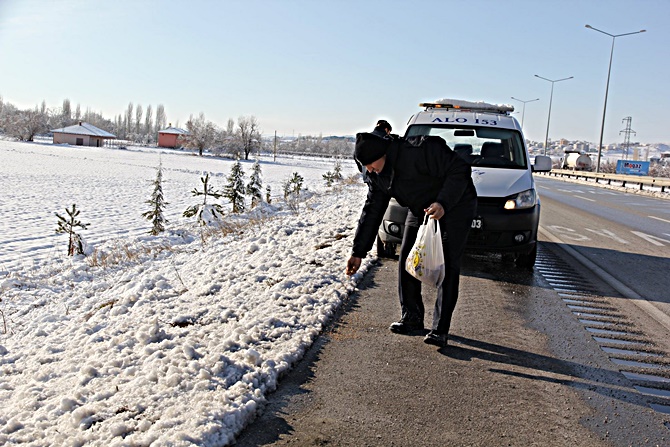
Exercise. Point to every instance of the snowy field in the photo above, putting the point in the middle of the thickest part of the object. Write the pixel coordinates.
(168, 340)
(110, 188)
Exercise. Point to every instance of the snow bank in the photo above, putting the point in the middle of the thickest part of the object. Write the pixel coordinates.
(179, 341)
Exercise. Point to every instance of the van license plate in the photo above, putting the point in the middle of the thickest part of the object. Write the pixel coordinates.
(477, 224)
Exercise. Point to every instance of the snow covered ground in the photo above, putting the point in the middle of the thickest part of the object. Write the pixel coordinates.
(167, 340)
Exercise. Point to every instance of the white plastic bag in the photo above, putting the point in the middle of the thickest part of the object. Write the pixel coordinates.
(426, 259)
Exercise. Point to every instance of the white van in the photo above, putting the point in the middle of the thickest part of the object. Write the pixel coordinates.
(492, 142)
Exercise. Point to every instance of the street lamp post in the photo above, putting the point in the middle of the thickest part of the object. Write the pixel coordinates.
(523, 113)
(609, 71)
(551, 97)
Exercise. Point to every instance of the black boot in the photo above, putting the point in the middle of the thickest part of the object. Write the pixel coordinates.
(407, 325)
(436, 338)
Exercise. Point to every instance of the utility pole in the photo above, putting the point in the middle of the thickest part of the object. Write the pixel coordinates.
(626, 132)
(274, 151)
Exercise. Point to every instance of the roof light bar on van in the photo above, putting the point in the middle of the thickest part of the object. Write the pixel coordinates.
(481, 106)
(432, 105)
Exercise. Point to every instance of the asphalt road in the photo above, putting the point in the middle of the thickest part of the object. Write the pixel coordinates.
(625, 235)
(520, 370)
(524, 365)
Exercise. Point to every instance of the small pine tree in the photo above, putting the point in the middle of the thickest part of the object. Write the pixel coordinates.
(234, 190)
(255, 185)
(330, 177)
(296, 183)
(197, 210)
(286, 186)
(337, 170)
(292, 188)
(268, 197)
(67, 226)
(158, 203)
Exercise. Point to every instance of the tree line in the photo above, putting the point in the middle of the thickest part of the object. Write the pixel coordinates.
(140, 125)
(136, 124)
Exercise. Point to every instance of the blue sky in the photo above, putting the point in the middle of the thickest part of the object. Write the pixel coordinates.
(335, 67)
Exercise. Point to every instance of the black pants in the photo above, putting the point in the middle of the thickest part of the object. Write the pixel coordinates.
(455, 226)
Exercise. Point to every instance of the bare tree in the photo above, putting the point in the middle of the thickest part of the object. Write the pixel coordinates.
(66, 114)
(202, 133)
(148, 123)
(87, 115)
(249, 134)
(25, 124)
(98, 120)
(55, 118)
(77, 113)
(7, 111)
(119, 127)
(138, 120)
(160, 117)
(129, 119)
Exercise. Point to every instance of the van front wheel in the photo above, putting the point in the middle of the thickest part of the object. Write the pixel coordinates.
(385, 250)
(527, 260)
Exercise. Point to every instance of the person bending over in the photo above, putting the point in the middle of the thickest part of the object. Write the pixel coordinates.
(423, 174)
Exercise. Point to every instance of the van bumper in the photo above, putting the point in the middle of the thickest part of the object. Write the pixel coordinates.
(504, 230)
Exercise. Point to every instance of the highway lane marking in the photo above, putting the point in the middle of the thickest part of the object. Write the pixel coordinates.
(658, 218)
(651, 239)
(569, 233)
(609, 234)
(575, 235)
(584, 198)
(641, 302)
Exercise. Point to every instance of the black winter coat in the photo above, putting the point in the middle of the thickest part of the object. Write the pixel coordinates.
(418, 171)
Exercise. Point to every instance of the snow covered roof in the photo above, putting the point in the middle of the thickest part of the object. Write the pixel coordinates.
(85, 129)
(174, 130)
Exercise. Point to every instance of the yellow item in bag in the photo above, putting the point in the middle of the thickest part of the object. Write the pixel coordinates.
(426, 259)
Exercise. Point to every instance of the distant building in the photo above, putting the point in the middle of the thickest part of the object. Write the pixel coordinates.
(82, 134)
(171, 137)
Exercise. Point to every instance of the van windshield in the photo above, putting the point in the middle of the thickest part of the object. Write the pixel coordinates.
(479, 146)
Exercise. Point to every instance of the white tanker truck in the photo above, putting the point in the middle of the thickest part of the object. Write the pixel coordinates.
(577, 161)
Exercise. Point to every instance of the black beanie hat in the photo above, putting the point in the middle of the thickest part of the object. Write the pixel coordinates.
(370, 147)
(384, 125)
(382, 128)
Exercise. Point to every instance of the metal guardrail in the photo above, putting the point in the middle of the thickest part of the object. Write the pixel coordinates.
(659, 182)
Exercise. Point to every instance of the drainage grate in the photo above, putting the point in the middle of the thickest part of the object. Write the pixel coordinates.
(631, 350)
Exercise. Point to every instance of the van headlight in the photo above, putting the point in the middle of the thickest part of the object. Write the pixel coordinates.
(525, 199)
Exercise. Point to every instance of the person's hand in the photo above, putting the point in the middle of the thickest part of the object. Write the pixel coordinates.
(435, 211)
(353, 264)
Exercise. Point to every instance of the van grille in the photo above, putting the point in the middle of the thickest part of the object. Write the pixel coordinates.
(491, 202)
(478, 238)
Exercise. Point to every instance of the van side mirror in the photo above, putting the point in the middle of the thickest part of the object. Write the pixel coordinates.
(542, 163)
